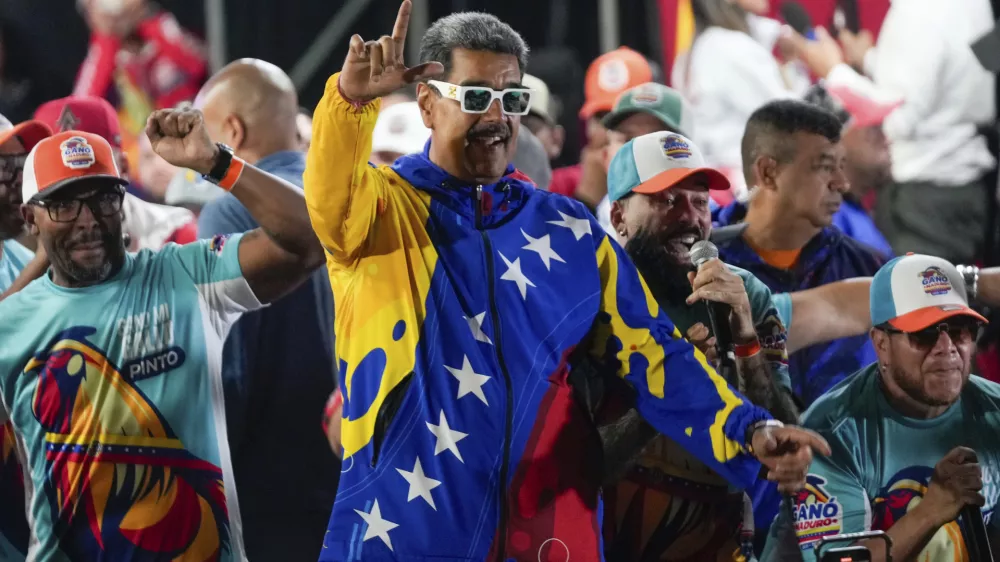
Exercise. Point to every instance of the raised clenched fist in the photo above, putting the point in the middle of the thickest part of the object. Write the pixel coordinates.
(376, 68)
(179, 137)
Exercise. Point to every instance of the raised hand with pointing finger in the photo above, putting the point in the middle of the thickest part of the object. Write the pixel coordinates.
(377, 68)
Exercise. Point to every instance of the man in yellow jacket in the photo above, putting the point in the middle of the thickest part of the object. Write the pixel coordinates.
(463, 298)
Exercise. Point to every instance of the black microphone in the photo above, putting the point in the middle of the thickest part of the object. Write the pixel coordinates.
(976, 540)
(797, 17)
(718, 316)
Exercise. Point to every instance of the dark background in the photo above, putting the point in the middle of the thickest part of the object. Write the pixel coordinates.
(47, 39)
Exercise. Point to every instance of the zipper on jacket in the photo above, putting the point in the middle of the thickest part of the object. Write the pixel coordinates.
(498, 350)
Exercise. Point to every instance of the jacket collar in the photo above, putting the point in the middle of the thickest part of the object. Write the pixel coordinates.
(497, 202)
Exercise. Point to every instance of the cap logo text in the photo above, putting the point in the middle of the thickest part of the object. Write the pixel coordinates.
(675, 147)
(77, 154)
(646, 95)
(934, 281)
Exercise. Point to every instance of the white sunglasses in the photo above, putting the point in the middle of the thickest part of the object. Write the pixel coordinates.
(478, 99)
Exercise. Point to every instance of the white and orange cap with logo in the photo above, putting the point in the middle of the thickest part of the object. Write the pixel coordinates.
(914, 292)
(65, 158)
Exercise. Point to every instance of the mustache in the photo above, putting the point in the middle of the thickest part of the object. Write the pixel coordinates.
(489, 130)
(88, 238)
(682, 230)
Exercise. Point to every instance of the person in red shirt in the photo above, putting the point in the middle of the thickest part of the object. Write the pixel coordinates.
(607, 77)
(139, 59)
(146, 45)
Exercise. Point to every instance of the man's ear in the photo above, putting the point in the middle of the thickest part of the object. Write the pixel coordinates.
(880, 340)
(618, 219)
(28, 214)
(426, 96)
(765, 172)
(236, 129)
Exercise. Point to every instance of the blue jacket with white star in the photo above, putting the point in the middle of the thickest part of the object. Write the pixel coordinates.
(460, 312)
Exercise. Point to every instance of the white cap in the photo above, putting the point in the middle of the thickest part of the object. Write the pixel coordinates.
(655, 162)
(541, 97)
(400, 129)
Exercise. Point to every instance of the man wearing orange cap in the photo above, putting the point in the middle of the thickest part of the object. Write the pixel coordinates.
(110, 366)
(607, 77)
(15, 142)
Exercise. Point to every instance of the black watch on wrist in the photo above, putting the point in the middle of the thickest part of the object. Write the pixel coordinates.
(223, 160)
(748, 437)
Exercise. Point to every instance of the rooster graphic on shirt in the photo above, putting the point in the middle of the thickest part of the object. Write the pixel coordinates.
(119, 482)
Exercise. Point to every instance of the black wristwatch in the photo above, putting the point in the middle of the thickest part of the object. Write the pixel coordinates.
(222, 162)
(748, 437)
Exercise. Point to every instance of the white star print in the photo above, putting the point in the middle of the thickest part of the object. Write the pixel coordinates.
(447, 438)
(578, 226)
(514, 274)
(420, 484)
(377, 527)
(543, 247)
(476, 325)
(469, 381)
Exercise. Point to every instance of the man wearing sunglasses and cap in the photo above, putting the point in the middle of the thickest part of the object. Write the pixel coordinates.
(464, 299)
(914, 435)
(15, 142)
(110, 367)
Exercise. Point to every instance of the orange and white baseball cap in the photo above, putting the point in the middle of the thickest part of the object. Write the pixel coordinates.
(65, 158)
(611, 74)
(29, 133)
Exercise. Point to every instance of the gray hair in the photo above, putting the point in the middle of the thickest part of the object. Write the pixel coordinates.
(475, 31)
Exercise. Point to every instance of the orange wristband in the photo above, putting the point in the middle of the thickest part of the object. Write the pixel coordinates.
(232, 174)
(747, 350)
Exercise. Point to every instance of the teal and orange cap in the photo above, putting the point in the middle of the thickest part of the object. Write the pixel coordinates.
(655, 162)
(914, 292)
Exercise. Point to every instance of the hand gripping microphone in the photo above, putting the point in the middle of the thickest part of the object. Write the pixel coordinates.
(718, 317)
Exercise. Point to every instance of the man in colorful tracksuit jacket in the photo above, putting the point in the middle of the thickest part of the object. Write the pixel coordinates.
(455, 325)
(459, 312)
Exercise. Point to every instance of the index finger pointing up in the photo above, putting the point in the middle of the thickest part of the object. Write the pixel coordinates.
(402, 22)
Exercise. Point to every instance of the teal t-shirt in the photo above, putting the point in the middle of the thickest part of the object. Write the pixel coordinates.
(783, 304)
(13, 258)
(13, 526)
(115, 395)
(882, 463)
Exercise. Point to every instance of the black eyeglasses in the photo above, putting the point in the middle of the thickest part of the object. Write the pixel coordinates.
(10, 167)
(102, 204)
(959, 332)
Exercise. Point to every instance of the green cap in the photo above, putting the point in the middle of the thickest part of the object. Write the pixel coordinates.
(662, 102)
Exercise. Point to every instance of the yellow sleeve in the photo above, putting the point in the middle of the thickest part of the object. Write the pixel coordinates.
(344, 193)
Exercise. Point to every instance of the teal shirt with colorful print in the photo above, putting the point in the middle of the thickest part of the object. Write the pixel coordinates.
(882, 462)
(115, 396)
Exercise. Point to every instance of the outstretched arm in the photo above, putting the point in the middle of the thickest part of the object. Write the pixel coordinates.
(829, 312)
(279, 255)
